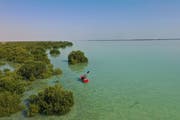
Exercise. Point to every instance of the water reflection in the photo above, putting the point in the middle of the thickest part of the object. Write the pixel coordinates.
(66, 61)
(78, 67)
(6, 67)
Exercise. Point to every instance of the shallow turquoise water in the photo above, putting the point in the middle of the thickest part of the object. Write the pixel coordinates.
(6, 66)
(128, 81)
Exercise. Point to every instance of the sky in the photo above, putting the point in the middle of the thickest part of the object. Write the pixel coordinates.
(89, 19)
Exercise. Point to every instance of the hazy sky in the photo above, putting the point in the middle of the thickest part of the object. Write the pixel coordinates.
(88, 19)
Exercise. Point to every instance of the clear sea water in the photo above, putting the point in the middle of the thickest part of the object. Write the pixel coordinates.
(129, 80)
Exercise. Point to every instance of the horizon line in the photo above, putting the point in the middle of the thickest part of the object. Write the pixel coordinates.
(141, 39)
(136, 39)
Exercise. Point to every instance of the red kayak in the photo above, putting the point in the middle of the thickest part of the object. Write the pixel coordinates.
(84, 80)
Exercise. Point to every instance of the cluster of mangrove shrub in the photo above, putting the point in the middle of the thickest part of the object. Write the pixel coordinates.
(52, 101)
(9, 103)
(19, 52)
(77, 57)
(31, 57)
(11, 89)
(32, 70)
(13, 84)
(31, 62)
(54, 52)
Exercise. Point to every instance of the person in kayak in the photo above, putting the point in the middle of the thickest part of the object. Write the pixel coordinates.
(85, 75)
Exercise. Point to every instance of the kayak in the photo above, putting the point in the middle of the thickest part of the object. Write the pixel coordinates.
(84, 80)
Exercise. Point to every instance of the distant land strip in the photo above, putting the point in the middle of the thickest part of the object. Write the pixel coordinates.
(137, 39)
(4, 41)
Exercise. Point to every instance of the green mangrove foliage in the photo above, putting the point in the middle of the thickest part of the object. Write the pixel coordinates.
(1, 73)
(20, 52)
(12, 85)
(33, 70)
(57, 71)
(11, 89)
(9, 103)
(54, 52)
(77, 57)
(52, 101)
(31, 57)
(2, 63)
(12, 82)
(33, 109)
(6, 70)
(31, 62)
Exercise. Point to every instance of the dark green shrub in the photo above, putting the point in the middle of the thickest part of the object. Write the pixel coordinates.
(1, 73)
(12, 85)
(54, 52)
(33, 109)
(6, 70)
(77, 57)
(52, 101)
(2, 63)
(33, 70)
(9, 103)
(57, 71)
